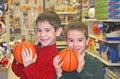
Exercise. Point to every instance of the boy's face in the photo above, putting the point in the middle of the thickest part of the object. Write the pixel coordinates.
(46, 33)
(76, 40)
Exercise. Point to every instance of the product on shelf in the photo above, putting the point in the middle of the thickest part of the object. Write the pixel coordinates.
(110, 9)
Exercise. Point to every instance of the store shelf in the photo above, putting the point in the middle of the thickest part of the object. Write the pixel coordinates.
(102, 38)
(113, 73)
(104, 20)
(61, 44)
(102, 59)
(5, 69)
(3, 34)
(67, 13)
(65, 23)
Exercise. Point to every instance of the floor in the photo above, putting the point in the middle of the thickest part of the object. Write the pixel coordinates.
(11, 75)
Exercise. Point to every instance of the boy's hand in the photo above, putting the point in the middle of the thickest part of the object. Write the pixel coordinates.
(57, 66)
(81, 62)
(27, 57)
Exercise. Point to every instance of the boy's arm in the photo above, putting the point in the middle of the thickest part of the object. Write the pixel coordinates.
(18, 69)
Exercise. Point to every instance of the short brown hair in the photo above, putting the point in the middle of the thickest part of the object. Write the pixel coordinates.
(51, 17)
(77, 25)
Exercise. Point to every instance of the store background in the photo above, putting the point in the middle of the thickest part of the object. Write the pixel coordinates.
(17, 22)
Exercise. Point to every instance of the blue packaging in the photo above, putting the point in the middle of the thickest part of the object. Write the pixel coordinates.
(114, 0)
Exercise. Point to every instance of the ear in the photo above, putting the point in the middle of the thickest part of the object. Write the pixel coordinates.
(87, 42)
(1, 13)
(59, 31)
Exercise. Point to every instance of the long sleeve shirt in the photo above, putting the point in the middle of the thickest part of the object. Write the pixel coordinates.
(93, 69)
(41, 69)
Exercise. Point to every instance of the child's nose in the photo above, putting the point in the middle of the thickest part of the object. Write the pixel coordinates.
(75, 43)
(42, 34)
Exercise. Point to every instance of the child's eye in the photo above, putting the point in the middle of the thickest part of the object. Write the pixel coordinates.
(71, 40)
(47, 30)
(38, 30)
(80, 40)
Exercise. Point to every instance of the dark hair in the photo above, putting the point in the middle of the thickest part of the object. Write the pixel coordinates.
(77, 25)
(51, 17)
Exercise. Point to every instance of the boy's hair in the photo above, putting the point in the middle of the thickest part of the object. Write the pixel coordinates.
(77, 25)
(51, 17)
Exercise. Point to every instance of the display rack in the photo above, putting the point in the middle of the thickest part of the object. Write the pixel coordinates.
(5, 37)
(102, 38)
(26, 13)
(68, 16)
(108, 63)
(61, 44)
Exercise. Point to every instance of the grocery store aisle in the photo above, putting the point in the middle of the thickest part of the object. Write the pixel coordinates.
(11, 75)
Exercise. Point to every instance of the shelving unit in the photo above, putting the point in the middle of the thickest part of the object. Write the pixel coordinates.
(109, 20)
(26, 12)
(22, 16)
(4, 34)
(102, 38)
(5, 37)
(108, 63)
(61, 44)
(85, 8)
(68, 16)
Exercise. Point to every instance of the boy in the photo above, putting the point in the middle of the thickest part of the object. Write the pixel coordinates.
(89, 67)
(41, 66)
